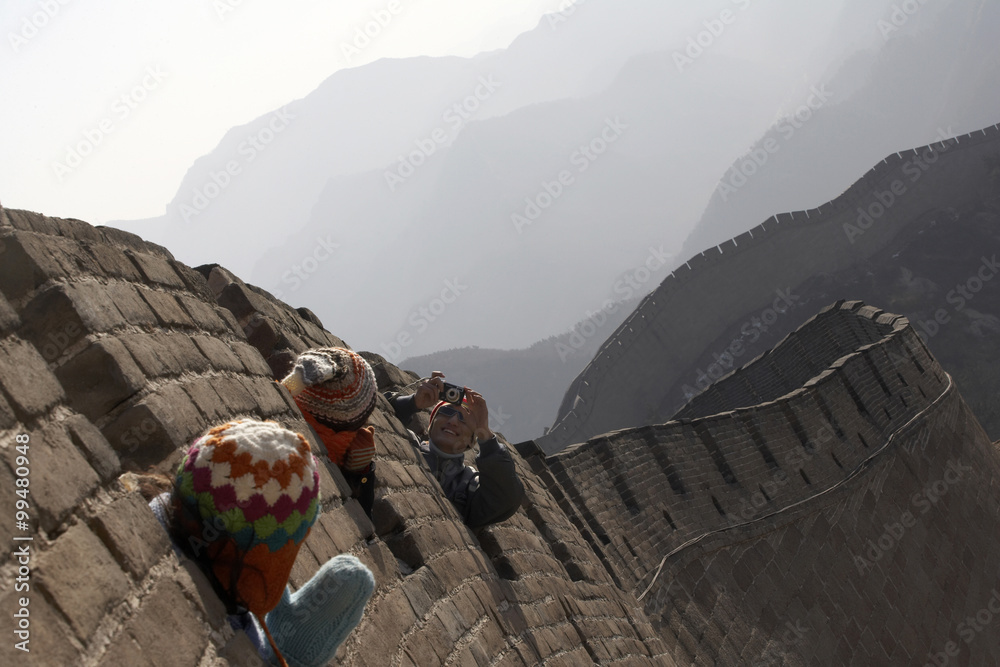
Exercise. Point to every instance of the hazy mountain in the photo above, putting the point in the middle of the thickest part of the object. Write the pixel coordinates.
(523, 387)
(874, 112)
(458, 191)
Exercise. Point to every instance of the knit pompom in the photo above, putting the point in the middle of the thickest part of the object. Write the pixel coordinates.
(247, 493)
(334, 385)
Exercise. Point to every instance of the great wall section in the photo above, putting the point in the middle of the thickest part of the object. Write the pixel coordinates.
(787, 518)
(684, 322)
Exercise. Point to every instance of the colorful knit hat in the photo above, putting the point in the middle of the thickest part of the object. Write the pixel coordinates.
(334, 385)
(246, 495)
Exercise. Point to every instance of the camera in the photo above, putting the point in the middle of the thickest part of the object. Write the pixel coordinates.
(452, 393)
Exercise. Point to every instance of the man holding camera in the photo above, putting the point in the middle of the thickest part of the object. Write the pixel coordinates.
(460, 419)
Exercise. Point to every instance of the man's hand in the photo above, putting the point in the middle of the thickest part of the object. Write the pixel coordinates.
(428, 392)
(480, 414)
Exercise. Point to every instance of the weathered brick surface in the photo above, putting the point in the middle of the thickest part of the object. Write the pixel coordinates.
(602, 526)
(132, 534)
(100, 378)
(60, 476)
(82, 578)
(51, 641)
(27, 384)
(165, 607)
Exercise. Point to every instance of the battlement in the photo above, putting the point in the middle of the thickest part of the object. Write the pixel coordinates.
(784, 251)
(843, 402)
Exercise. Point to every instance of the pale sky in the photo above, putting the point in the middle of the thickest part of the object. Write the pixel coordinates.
(145, 88)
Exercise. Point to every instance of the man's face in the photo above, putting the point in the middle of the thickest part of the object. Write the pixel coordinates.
(451, 430)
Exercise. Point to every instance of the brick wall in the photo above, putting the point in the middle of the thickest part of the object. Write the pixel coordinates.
(677, 327)
(745, 515)
(760, 527)
(113, 357)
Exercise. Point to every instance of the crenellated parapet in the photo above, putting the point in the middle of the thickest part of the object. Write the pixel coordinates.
(787, 445)
(696, 303)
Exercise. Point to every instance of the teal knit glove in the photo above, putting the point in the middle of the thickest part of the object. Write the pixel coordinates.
(310, 624)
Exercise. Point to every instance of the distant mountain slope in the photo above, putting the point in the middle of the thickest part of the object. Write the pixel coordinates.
(523, 387)
(804, 161)
(436, 160)
(919, 234)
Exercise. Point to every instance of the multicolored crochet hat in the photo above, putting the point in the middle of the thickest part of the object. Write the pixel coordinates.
(246, 495)
(334, 385)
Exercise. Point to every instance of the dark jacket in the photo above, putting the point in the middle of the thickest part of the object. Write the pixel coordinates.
(489, 493)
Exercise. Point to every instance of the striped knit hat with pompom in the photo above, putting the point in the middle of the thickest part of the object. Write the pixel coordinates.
(246, 495)
(334, 385)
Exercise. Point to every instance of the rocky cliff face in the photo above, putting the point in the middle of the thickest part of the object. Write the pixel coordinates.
(917, 234)
(782, 520)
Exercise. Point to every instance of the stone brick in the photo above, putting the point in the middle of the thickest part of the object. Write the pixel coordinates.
(167, 309)
(235, 298)
(151, 354)
(82, 578)
(133, 308)
(156, 269)
(234, 393)
(113, 262)
(29, 221)
(84, 305)
(203, 314)
(100, 378)
(153, 429)
(251, 359)
(204, 396)
(218, 354)
(341, 528)
(51, 642)
(31, 260)
(7, 419)
(60, 476)
(8, 318)
(27, 384)
(132, 534)
(262, 333)
(266, 394)
(130, 241)
(193, 280)
(187, 355)
(166, 615)
(92, 443)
